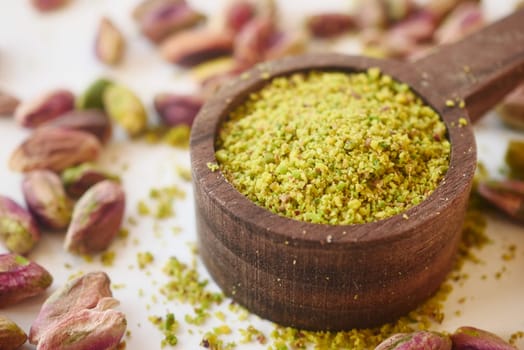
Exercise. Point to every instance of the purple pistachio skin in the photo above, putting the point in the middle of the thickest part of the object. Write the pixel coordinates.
(329, 25)
(93, 121)
(88, 329)
(84, 292)
(238, 14)
(18, 230)
(77, 180)
(48, 5)
(21, 279)
(46, 198)
(97, 218)
(506, 195)
(471, 338)
(176, 109)
(45, 108)
(167, 18)
(416, 341)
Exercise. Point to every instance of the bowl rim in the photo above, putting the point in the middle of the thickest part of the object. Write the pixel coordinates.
(457, 180)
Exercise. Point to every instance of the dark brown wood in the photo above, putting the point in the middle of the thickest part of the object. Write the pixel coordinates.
(362, 275)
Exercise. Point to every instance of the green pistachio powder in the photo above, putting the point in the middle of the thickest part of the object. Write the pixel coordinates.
(333, 147)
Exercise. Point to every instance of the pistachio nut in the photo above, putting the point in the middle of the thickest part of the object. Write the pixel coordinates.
(12, 337)
(253, 40)
(92, 121)
(514, 158)
(46, 198)
(506, 195)
(77, 180)
(110, 44)
(18, 229)
(238, 14)
(44, 108)
(329, 25)
(8, 103)
(175, 109)
(92, 98)
(146, 6)
(97, 218)
(164, 19)
(471, 338)
(463, 20)
(125, 108)
(416, 341)
(511, 110)
(21, 279)
(84, 292)
(54, 149)
(194, 46)
(48, 5)
(98, 328)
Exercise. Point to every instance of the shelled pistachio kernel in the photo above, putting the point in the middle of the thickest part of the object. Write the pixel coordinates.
(333, 147)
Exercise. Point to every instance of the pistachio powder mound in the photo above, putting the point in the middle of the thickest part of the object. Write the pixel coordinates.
(333, 147)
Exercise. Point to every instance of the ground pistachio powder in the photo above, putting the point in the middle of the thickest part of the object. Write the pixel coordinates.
(334, 147)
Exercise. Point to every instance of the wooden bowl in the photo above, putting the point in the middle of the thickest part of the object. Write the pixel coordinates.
(325, 277)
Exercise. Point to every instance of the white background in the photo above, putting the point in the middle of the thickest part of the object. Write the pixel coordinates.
(40, 52)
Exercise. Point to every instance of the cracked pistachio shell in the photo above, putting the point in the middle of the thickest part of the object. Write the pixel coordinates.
(47, 107)
(97, 218)
(46, 198)
(125, 108)
(18, 230)
(84, 292)
(12, 337)
(175, 109)
(77, 180)
(416, 341)
(98, 328)
(21, 279)
(471, 338)
(92, 98)
(110, 44)
(92, 121)
(55, 149)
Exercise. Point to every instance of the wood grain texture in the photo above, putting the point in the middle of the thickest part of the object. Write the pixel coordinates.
(326, 277)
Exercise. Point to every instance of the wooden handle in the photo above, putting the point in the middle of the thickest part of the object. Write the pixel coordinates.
(481, 69)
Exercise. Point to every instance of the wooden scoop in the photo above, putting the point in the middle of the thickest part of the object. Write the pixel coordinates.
(326, 277)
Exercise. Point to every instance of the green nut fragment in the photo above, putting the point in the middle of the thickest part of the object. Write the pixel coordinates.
(12, 336)
(515, 159)
(125, 108)
(93, 96)
(416, 341)
(77, 180)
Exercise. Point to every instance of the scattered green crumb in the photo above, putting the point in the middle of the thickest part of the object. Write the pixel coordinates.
(178, 136)
(462, 103)
(132, 221)
(68, 266)
(142, 208)
(108, 258)
(220, 315)
(212, 166)
(514, 158)
(251, 334)
(168, 325)
(184, 173)
(176, 230)
(118, 285)
(123, 233)
(450, 103)
(185, 285)
(212, 341)
(87, 258)
(198, 318)
(144, 259)
(334, 148)
(462, 122)
(510, 253)
(516, 337)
